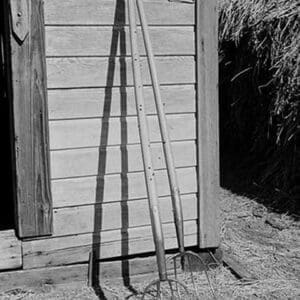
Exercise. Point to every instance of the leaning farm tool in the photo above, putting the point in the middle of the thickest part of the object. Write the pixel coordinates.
(184, 256)
(172, 284)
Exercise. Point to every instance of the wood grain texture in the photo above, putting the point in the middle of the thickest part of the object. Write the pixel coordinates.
(208, 123)
(91, 103)
(116, 215)
(78, 273)
(34, 205)
(103, 12)
(107, 72)
(116, 131)
(10, 251)
(38, 277)
(97, 41)
(115, 159)
(76, 249)
(82, 191)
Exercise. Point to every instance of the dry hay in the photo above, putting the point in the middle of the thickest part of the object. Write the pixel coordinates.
(272, 29)
(260, 54)
(270, 255)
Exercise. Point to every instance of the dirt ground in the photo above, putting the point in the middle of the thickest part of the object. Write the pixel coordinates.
(267, 244)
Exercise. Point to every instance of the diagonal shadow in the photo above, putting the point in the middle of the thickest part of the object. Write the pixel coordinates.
(124, 157)
(118, 35)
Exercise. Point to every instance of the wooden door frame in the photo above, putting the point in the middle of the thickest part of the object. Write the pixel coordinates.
(28, 94)
(207, 123)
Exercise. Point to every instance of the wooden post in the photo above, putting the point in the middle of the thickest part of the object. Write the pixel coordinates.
(29, 93)
(208, 123)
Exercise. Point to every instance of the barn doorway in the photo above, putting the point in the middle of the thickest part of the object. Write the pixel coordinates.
(6, 183)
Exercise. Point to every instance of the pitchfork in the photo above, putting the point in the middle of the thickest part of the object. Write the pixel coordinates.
(147, 161)
(184, 256)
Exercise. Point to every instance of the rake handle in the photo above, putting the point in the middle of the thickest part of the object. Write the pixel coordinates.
(145, 142)
(173, 181)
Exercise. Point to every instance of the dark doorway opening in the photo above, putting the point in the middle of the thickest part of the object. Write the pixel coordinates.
(6, 157)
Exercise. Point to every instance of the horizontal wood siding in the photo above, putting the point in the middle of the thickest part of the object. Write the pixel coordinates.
(81, 219)
(95, 40)
(91, 132)
(78, 72)
(102, 12)
(76, 248)
(97, 174)
(90, 103)
(85, 161)
(82, 190)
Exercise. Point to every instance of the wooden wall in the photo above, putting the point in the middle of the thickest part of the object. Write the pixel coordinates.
(98, 187)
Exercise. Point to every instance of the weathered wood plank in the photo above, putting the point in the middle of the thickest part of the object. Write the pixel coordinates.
(237, 267)
(116, 215)
(116, 131)
(10, 250)
(82, 191)
(38, 277)
(90, 103)
(115, 159)
(97, 41)
(208, 123)
(76, 249)
(29, 92)
(78, 273)
(104, 12)
(107, 72)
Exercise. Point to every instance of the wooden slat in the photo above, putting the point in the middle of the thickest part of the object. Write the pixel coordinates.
(10, 250)
(105, 72)
(115, 159)
(29, 89)
(39, 277)
(104, 11)
(75, 249)
(208, 123)
(107, 41)
(116, 215)
(237, 267)
(116, 131)
(81, 191)
(78, 273)
(89, 103)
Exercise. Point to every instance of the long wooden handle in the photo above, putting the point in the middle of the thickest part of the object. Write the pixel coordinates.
(146, 150)
(173, 181)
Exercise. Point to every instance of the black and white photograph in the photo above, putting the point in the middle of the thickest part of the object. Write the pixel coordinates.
(150, 149)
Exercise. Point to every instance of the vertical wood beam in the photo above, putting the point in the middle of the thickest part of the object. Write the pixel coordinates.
(29, 96)
(208, 122)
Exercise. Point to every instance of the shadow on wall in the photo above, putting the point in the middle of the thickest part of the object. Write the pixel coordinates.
(117, 41)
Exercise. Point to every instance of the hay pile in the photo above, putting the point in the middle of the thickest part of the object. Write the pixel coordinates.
(259, 80)
(271, 255)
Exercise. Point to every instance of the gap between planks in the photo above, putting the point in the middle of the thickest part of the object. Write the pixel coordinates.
(81, 103)
(76, 249)
(116, 215)
(123, 160)
(88, 12)
(95, 132)
(35, 278)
